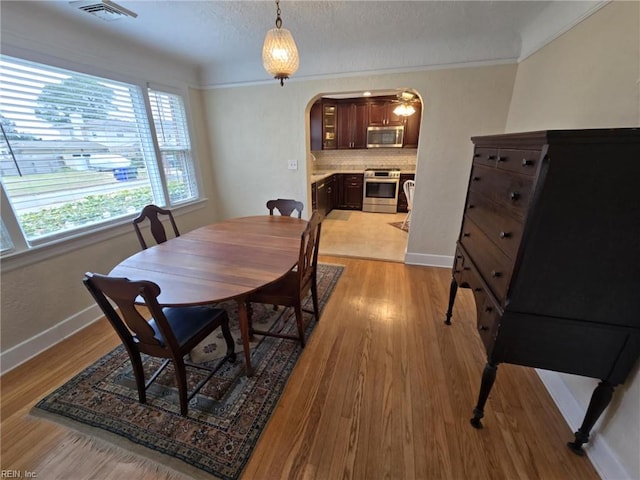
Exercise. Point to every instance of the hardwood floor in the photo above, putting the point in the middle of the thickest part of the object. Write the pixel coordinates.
(383, 390)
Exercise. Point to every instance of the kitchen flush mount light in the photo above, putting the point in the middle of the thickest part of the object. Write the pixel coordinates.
(279, 53)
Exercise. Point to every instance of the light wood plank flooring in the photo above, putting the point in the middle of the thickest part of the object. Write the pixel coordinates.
(383, 390)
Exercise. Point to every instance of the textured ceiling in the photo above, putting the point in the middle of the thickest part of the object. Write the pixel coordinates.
(338, 37)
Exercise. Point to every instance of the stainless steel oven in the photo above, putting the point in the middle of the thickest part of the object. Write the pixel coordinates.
(380, 190)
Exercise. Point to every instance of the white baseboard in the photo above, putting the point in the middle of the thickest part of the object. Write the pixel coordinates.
(28, 349)
(426, 260)
(598, 450)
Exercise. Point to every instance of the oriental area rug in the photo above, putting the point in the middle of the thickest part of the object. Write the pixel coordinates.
(226, 417)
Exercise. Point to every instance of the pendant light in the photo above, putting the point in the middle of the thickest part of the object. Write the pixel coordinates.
(279, 53)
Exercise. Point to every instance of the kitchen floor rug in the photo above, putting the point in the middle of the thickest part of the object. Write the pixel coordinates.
(399, 225)
(225, 419)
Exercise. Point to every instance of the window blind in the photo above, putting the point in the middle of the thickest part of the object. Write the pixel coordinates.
(77, 151)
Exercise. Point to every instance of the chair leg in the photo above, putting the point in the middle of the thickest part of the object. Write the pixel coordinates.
(406, 219)
(314, 298)
(181, 379)
(300, 321)
(138, 373)
(226, 333)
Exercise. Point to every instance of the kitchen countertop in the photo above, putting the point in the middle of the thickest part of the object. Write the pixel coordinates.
(317, 176)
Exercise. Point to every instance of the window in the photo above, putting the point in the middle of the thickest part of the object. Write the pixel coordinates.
(78, 151)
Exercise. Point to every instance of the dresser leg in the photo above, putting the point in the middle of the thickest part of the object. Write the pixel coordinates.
(488, 377)
(453, 289)
(599, 400)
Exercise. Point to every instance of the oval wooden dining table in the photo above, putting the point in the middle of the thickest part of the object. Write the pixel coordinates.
(221, 261)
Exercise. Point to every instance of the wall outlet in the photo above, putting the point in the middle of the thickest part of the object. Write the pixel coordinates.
(292, 164)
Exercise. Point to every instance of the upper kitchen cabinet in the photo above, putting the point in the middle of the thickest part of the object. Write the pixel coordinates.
(352, 125)
(329, 126)
(315, 126)
(381, 113)
(412, 128)
(342, 123)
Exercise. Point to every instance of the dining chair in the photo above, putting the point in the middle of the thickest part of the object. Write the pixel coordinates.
(291, 289)
(170, 333)
(153, 214)
(285, 206)
(408, 188)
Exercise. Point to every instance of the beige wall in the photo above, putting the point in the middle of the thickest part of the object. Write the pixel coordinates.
(590, 78)
(254, 131)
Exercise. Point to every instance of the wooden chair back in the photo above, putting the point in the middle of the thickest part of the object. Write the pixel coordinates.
(285, 206)
(132, 328)
(308, 258)
(153, 213)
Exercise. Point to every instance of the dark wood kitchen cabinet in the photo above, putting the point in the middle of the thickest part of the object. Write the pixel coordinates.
(329, 125)
(352, 125)
(324, 193)
(412, 127)
(349, 189)
(315, 126)
(381, 113)
(549, 246)
(403, 205)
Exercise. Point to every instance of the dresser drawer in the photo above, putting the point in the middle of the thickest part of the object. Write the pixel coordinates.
(487, 314)
(505, 188)
(485, 156)
(504, 230)
(520, 161)
(458, 266)
(492, 264)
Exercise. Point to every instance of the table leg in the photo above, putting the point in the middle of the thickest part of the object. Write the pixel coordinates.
(243, 319)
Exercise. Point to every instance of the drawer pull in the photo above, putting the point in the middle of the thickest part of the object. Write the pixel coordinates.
(491, 157)
(496, 274)
(477, 289)
(476, 155)
(470, 207)
(502, 159)
(482, 328)
(466, 234)
(505, 234)
(476, 179)
(526, 162)
(514, 196)
(488, 309)
(466, 268)
(459, 256)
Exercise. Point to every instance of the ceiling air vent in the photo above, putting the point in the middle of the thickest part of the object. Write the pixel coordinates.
(104, 9)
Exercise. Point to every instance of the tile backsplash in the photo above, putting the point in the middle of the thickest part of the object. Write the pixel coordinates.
(350, 160)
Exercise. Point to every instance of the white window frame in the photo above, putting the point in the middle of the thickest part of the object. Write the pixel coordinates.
(22, 254)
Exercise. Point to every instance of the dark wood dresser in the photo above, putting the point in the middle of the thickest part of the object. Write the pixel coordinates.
(550, 247)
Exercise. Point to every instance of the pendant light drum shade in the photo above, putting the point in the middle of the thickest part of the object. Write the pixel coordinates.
(279, 53)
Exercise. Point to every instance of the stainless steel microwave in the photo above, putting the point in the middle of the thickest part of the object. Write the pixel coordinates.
(385, 137)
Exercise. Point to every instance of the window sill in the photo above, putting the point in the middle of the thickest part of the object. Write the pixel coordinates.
(14, 260)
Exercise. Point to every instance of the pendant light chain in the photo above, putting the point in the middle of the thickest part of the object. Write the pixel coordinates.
(278, 12)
